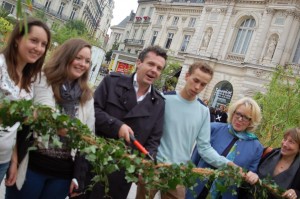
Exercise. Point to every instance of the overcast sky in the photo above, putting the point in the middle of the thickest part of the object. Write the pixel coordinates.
(122, 9)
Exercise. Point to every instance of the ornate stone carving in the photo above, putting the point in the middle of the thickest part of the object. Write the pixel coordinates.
(208, 9)
(223, 10)
(234, 12)
(207, 37)
(259, 73)
(270, 11)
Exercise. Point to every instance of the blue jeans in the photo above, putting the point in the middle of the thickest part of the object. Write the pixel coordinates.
(3, 170)
(40, 186)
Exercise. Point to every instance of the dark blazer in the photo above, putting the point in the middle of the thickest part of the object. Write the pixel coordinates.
(116, 104)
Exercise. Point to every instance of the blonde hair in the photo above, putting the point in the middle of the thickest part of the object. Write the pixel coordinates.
(251, 104)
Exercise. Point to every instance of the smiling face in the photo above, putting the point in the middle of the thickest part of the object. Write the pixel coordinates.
(32, 46)
(289, 147)
(241, 118)
(195, 83)
(150, 69)
(80, 64)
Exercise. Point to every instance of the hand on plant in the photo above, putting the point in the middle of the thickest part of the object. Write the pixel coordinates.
(251, 177)
(62, 132)
(291, 194)
(124, 132)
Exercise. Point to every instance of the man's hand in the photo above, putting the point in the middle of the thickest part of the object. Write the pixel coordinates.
(124, 132)
(73, 187)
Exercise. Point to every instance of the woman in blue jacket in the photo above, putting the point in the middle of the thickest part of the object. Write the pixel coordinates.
(236, 142)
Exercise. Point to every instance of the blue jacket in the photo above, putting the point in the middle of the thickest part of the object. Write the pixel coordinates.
(248, 153)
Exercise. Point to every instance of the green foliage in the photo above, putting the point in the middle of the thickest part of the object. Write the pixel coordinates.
(73, 29)
(40, 14)
(109, 155)
(5, 14)
(77, 25)
(5, 28)
(109, 53)
(280, 106)
(167, 79)
(108, 56)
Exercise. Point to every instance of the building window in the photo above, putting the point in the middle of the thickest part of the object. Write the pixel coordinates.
(134, 33)
(127, 35)
(243, 37)
(61, 8)
(9, 7)
(73, 12)
(117, 37)
(169, 40)
(192, 22)
(154, 37)
(47, 5)
(142, 12)
(175, 21)
(150, 11)
(296, 58)
(185, 43)
(143, 34)
(159, 20)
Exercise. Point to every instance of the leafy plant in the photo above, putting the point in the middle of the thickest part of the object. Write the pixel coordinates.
(280, 106)
(167, 80)
(109, 155)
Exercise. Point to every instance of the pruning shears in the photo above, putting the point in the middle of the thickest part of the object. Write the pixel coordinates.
(140, 147)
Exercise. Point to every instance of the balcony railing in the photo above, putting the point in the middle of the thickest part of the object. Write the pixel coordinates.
(134, 42)
(235, 58)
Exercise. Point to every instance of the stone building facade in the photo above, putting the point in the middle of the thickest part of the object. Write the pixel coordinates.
(243, 40)
(96, 14)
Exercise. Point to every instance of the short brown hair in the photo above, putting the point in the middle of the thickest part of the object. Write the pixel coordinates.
(204, 67)
(294, 133)
(155, 49)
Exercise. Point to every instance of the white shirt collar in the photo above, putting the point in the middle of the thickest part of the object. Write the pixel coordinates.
(136, 88)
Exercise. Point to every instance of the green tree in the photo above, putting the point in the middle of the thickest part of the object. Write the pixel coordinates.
(40, 14)
(77, 25)
(5, 28)
(109, 53)
(167, 79)
(71, 30)
(280, 106)
(5, 15)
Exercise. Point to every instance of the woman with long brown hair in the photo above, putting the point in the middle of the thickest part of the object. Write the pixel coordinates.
(20, 63)
(64, 84)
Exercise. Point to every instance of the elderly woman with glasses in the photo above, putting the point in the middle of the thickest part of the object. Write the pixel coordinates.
(236, 141)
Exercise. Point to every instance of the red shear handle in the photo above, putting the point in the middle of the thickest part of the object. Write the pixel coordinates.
(140, 147)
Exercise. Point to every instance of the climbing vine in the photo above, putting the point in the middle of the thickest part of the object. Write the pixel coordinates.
(109, 155)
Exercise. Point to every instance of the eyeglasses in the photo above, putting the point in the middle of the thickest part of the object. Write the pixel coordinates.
(240, 115)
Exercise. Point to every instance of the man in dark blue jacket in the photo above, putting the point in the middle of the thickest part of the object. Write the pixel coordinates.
(127, 105)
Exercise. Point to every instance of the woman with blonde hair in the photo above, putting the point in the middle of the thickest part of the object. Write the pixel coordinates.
(64, 84)
(237, 142)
